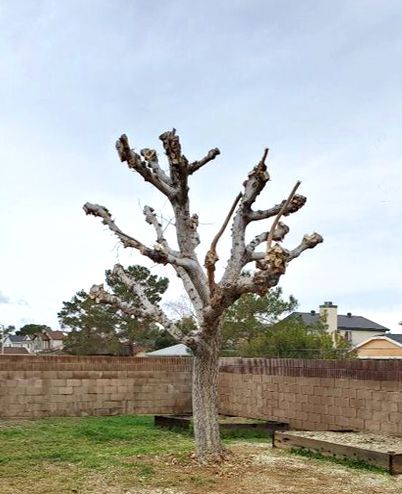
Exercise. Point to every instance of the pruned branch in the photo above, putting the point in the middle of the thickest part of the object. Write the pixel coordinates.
(280, 232)
(196, 165)
(177, 164)
(297, 202)
(157, 255)
(143, 308)
(134, 161)
(280, 213)
(211, 257)
(253, 185)
(256, 181)
(308, 242)
(151, 219)
(151, 159)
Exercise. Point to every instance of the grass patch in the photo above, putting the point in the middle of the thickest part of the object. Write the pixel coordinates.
(348, 462)
(93, 442)
(71, 449)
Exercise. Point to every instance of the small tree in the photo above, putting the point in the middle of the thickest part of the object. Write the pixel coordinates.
(31, 329)
(293, 338)
(210, 298)
(251, 316)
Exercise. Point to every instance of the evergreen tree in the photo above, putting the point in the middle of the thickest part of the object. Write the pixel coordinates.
(97, 328)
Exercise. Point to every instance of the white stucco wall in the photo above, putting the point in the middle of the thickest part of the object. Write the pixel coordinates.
(360, 336)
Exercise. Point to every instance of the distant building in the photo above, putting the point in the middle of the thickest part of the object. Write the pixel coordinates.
(48, 341)
(355, 329)
(381, 347)
(179, 350)
(14, 341)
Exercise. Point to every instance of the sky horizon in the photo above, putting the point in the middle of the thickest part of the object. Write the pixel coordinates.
(317, 83)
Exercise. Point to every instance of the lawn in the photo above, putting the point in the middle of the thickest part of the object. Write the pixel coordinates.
(128, 455)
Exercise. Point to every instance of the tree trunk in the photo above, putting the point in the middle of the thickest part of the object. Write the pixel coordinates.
(205, 399)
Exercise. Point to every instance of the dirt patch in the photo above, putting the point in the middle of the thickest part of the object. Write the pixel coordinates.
(258, 468)
(367, 440)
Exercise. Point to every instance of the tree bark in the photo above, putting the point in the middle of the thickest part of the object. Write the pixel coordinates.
(205, 397)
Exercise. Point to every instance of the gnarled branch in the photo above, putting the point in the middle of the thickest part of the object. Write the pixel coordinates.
(297, 202)
(253, 185)
(134, 161)
(280, 232)
(308, 242)
(196, 165)
(156, 255)
(144, 308)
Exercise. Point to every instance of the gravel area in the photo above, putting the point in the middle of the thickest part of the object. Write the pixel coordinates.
(367, 440)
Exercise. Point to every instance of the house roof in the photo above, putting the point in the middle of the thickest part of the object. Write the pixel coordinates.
(50, 335)
(55, 335)
(395, 337)
(9, 350)
(358, 323)
(14, 338)
(179, 350)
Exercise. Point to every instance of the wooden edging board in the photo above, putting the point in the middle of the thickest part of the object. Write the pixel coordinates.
(185, 421)
(390, 461)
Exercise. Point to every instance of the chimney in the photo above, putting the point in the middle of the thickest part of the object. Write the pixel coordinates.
(329, 315)
(312, 312)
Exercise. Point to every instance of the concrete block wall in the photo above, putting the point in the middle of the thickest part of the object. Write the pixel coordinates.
(309, 394)
(314, 394)
(43, 386)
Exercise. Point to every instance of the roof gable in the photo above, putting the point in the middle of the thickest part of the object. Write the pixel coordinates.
(15, 338)
(395, 339)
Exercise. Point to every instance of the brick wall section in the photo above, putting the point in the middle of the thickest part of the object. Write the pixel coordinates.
(40, 386)
(314, 394)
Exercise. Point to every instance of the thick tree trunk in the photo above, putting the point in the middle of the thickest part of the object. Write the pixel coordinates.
(205, 400)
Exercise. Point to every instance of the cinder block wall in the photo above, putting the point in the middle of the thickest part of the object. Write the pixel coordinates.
(315, 394)
(309, 394)
(40, 386)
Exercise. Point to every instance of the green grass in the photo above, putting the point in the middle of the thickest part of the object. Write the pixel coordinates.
(68, 450)
(348, 462)
(92, 442)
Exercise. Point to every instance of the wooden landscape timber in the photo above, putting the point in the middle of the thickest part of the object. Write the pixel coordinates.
(225, 423)
(390, 461)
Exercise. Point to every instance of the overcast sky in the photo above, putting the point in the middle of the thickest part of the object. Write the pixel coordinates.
(318, 82)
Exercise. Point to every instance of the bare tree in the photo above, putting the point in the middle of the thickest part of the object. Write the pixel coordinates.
(209, 297)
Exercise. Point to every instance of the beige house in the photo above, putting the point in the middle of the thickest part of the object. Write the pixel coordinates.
(48, 341)
(386, 346)
(356, 329)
